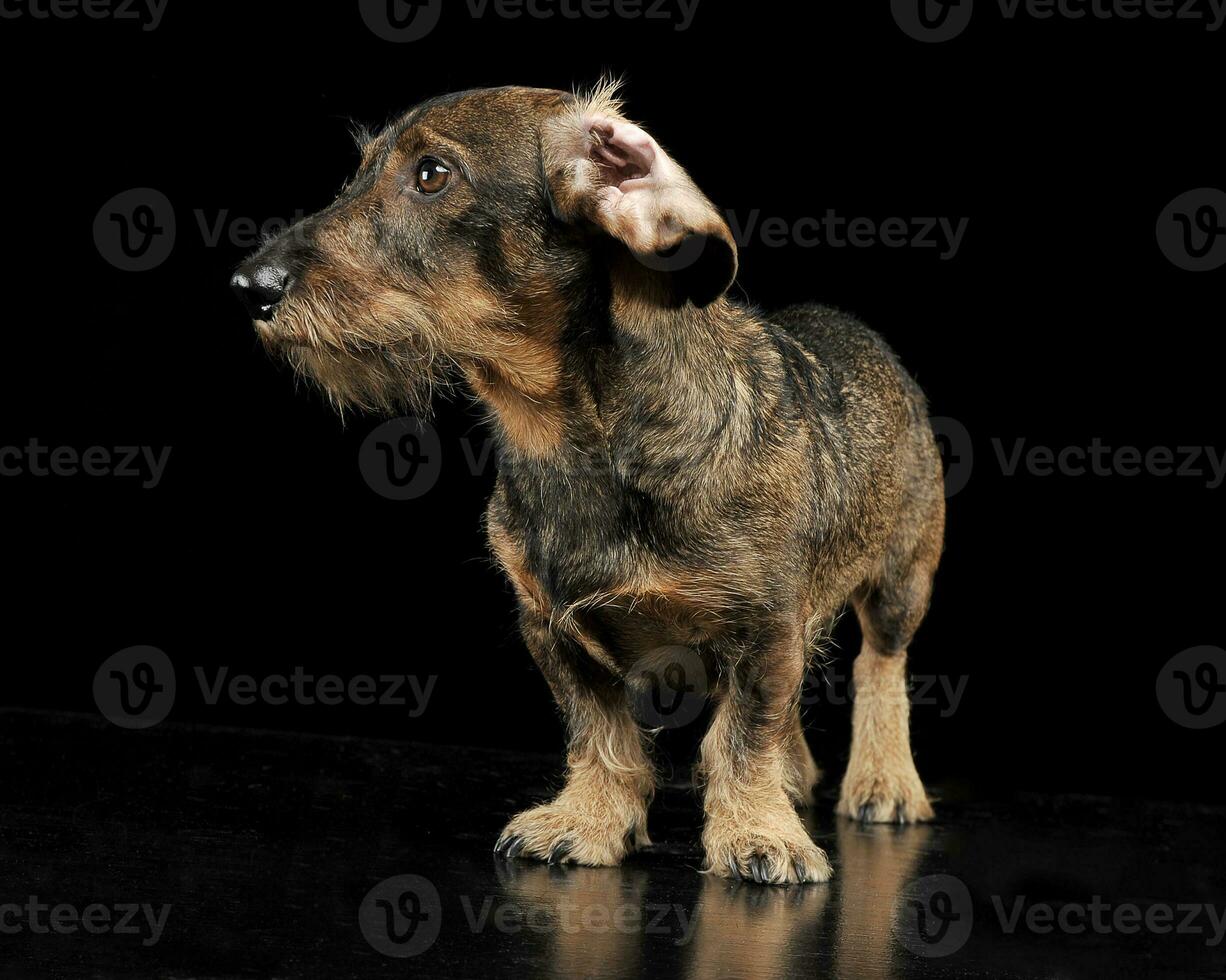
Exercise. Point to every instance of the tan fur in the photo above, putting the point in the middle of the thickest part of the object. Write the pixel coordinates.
(510, 557)
(601, 812)
(881, 784)
(752, 829)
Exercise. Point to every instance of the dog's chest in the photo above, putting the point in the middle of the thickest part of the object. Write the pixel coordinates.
(587, 523)
(598, 549)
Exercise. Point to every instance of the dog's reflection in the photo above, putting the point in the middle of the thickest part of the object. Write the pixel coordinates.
(596, 918)
(876, 863)
(747, 930)
(600, 924)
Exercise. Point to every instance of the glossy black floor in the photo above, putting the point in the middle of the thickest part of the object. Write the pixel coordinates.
(196, 852)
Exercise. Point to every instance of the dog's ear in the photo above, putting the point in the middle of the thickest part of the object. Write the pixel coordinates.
(605, 171)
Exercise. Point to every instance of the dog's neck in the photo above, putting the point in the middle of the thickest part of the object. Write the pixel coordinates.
(583, 376)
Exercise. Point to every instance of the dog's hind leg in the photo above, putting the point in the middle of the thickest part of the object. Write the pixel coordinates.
(881, 784)
(601, 812)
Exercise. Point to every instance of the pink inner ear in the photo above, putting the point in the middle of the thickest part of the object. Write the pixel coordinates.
(622, 151)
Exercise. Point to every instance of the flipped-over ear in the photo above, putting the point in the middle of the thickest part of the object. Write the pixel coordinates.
(607, 171)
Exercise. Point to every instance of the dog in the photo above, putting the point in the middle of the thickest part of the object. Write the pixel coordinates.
(675, 468)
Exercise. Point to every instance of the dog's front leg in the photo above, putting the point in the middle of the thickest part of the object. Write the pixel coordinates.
(752, 830)
(601, 812)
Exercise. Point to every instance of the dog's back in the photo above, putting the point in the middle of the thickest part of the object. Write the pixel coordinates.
(856, 356)
(871, 415)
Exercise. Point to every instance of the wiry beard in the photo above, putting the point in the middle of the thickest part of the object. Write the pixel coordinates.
(393, 367)
(388, 380)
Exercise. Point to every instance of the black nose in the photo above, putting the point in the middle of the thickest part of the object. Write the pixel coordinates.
(260, 287)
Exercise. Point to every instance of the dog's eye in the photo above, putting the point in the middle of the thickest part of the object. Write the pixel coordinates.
(432, 176)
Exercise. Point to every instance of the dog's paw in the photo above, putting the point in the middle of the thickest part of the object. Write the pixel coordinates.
(881, 797)
(776, 852)
(561, 834)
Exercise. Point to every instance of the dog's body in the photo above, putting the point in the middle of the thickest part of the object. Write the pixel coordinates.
(674, 469)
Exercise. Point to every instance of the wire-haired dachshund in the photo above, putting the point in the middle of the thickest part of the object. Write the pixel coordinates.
(675, 468)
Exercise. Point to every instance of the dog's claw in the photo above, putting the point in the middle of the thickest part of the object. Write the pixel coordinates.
(508, 847)
(865, 813)
(560, 850)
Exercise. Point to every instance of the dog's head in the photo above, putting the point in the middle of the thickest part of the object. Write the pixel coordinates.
(466, 238)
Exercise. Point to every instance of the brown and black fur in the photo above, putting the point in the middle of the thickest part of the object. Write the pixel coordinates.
(674, 468)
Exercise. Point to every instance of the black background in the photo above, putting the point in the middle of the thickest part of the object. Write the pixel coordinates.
(263, 548)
